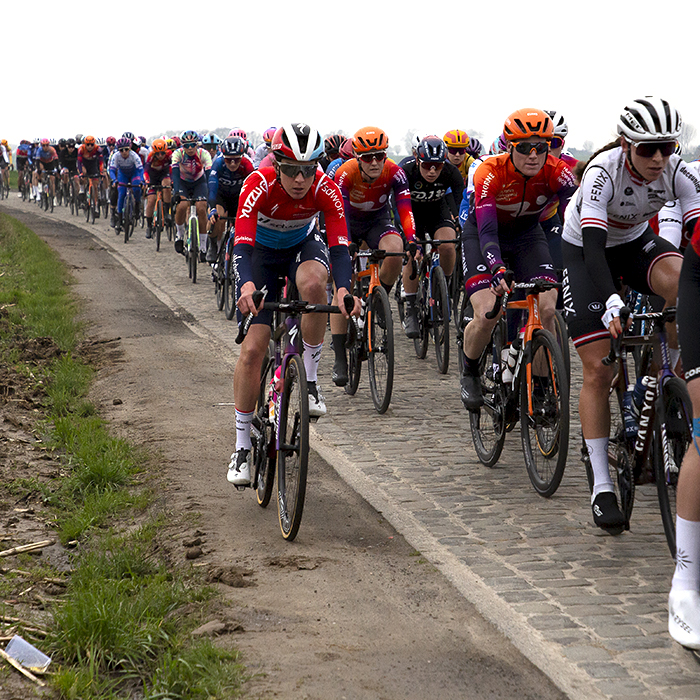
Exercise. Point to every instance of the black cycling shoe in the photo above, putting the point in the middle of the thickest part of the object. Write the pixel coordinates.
(607, 514)
(410, 322)
(470, 392)
(340, 372)
(179, 246)
(212, 253)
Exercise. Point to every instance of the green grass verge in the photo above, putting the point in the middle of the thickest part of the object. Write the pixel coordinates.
(120, 630)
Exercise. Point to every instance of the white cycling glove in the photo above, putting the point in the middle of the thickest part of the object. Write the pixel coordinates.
(613, 306)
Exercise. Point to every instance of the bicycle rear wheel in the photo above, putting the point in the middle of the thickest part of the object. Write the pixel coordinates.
(544, 413)
(381, 349)
(440, 318)
(672, 435)
(293, 455)
(488, 424)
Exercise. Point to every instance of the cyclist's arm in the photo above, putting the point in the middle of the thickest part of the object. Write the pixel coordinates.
(486, 217)
(402, 196)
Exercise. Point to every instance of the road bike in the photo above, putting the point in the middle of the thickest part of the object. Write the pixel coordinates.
(128, 213)
(158, 214)
(371, 337)
(432, 305)
(46, 191)
(92, 208)
(229, 275)
(649, 440)
(524, 380)
(280, 428)
(223, 286)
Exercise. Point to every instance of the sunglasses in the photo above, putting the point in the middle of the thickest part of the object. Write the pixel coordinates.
(189, 145)
(556, 142)
(456, 151)
(293, 169)
(124, 150)
(233, 159)
(648, 149)
(527, 147)
(369, 157)
(431, 166)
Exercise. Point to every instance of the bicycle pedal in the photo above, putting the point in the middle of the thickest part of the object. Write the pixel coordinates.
(241, 487)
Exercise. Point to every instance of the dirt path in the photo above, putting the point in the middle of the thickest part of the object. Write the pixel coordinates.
(346, 611)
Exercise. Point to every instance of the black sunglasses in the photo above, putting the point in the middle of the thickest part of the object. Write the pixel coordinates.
(647, 149)
(527, 147)
(293, 169)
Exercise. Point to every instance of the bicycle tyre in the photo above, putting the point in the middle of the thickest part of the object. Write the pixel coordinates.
(127, 220)
(440, 321)
(158, 223)
(545, 431)
(194, 251)
(50, 201)
(293, 455)
(219, 276)
(400, 299)
(88, 202)
(380, 333)
(264, 451)
(353, 343)
(562, 338)
(488, 424)
(672, 434)
(420, 344)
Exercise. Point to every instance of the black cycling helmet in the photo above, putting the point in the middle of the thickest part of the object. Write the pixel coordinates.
(233, 147)
(431, 150)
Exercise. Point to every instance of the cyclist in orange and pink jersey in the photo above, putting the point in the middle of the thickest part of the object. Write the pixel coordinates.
(367, 183)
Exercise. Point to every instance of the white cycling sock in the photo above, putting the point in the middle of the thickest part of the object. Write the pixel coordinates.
(687, 574)
(312, 356)
(598, 454)
(243, 421)
(180, 230)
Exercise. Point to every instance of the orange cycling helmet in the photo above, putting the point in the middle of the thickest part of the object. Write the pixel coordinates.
(159, 146)
(89, 141)
(526, 123)
(456, 138)
(369, 139)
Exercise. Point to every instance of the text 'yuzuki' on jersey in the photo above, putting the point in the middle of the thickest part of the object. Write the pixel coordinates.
(617, 200)
(269, 216)
(506, 202)
(364, 199)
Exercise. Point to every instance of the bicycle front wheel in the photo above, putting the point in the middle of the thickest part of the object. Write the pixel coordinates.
(420, 344)
(353, 344)
(544, 413)
(264, 451)
(380, 349)
(562, 337)
(194, 251)
(158, 222)
(672, 435)
(440, 318)
(128, 217)
(488, 424)
(293, 454)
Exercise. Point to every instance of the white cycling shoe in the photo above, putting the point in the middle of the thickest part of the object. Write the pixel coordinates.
(684, 618)
(239, 468)
(317, 404)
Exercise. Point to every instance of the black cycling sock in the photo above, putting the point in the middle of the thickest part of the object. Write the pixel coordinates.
(472, 366)
(387, 287)
(338, 342)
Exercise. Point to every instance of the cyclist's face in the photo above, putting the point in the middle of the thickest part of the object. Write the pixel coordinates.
(296, 187)
(649, 168)
(456, 158)
(531, 163)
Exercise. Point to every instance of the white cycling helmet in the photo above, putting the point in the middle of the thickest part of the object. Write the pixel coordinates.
(649, 119)
(560, 127)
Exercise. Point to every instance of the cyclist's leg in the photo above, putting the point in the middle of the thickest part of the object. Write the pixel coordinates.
(684, 598)
(446, 251)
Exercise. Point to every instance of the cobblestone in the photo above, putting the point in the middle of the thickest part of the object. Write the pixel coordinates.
(589, 609)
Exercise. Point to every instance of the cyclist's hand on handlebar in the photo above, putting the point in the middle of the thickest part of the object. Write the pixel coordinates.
(357, 305)
(245, 301)
(499, 286)
(611, 317)
(213, 215)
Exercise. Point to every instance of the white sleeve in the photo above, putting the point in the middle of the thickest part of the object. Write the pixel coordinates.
(671, 223)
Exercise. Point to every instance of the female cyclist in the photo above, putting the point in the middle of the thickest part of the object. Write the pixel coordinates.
(606, 238)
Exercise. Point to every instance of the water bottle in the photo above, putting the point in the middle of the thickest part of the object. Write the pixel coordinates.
(510, 359)
(638, 394)
(628, 417)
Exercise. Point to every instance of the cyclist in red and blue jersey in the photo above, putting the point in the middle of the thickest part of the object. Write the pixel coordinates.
(90, 163)
(190, 166)
(226, 177)
(46, 160)
(276, 234)
(23, 160)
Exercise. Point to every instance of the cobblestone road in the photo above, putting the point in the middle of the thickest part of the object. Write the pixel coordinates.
(588, 609)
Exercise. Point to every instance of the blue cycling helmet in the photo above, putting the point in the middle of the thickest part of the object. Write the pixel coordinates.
(189, 136)
(211, 140)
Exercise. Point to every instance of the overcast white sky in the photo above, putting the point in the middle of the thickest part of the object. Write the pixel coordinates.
(431, 66)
